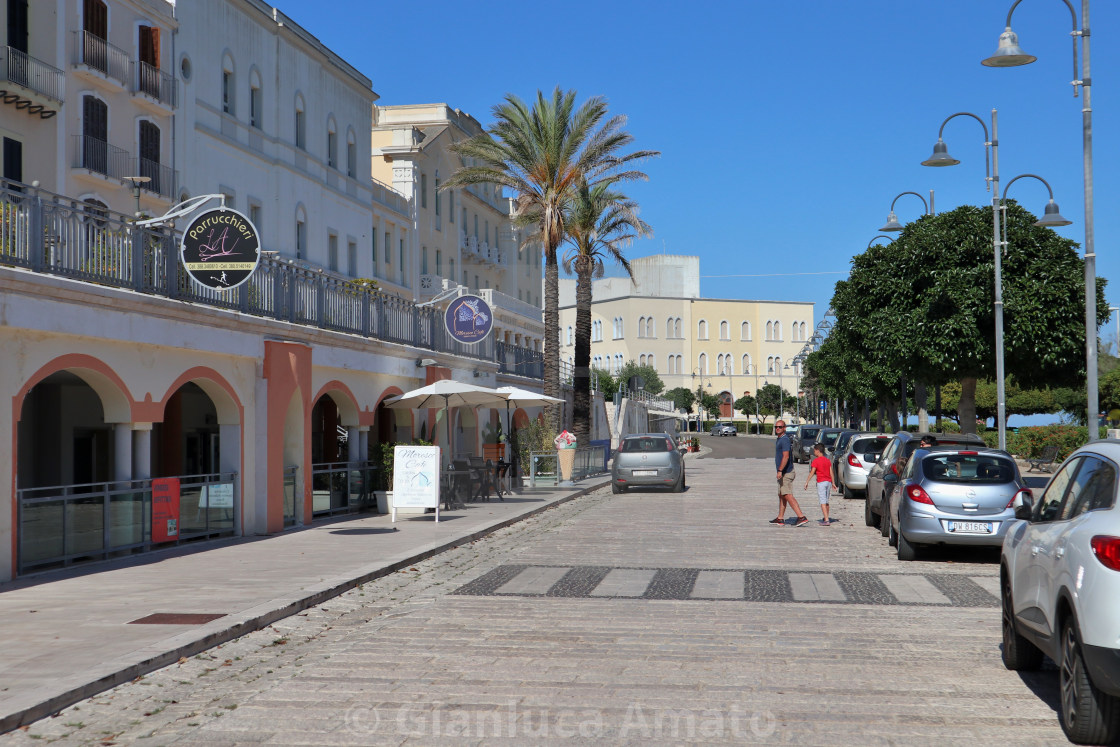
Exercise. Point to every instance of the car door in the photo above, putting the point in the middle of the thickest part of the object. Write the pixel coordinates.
(1030, 564)
(1094, 484)
(875, 477)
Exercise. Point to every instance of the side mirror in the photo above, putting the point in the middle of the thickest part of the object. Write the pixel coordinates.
(1022, 505)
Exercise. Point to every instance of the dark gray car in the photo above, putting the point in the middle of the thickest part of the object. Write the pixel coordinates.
(803, 442)
(647, 460)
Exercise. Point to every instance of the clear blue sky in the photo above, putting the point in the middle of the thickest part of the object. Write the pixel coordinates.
(786, 127)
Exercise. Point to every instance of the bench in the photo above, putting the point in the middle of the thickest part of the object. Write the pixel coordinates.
(1044, 461)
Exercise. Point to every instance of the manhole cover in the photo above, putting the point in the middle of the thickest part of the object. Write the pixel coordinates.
(176, 618)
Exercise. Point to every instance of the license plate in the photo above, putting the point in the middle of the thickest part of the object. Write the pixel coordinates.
(970, 527)
(645, 472)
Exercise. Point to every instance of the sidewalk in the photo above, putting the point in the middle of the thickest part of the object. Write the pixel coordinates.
(64, 635)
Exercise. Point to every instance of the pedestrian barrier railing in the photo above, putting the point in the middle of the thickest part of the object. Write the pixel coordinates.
(341, 487)
(589, 461)
(48, 233)
(63, 524)
(652, 401)
(544, 466)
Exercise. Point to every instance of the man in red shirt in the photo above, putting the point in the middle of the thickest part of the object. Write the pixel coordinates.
(822, 468)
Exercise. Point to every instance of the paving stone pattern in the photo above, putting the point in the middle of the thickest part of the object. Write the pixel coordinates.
(878, 653)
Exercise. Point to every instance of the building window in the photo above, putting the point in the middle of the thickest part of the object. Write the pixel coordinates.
(332, 252)
(351, 156)
(301, 238)
(400, 252)
(439, 262)
(255, 215)
(424, 260)
(450, 206)
(451, 269)
(423, 190)
(351, 258)
(332, 145)
(769, 331)
(437, 200)
(227, 92)
(745, 331)
(724, 330)
(149, 155)
(702, 330)
(476, 225)
(373, 247)
(702, 362)
(255, 111)
(747, 365)
(388, 246)
(777, 330)
(651, 331)
(569, 334)
(301, 125)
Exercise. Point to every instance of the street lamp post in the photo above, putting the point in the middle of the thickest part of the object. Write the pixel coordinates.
(1112, 310)
(941, 157)
(137, 181)
(892, 219)
(1010, 55)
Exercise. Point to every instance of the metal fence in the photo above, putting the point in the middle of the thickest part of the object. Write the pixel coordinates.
(340, 487)
(25, 70)
(63, 524)
(49, 233)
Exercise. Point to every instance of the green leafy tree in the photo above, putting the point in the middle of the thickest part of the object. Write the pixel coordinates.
(923, 305)
(608, 384)
(542, 154)
(682, 397)
(773, 400)
(653, 383)
(601, 222)
(745, 405)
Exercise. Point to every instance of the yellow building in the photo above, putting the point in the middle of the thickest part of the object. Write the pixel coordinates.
(730, 347)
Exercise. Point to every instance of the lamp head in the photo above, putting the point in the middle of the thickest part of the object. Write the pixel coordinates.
(1008, 54)
(940, 156)
(892, 223)
(1051, 217)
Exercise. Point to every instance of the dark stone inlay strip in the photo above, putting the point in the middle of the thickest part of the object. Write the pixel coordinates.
(767, 586)
(580, 581)
(489, 583)
(862, 587)
(962, 590)
(671, 583)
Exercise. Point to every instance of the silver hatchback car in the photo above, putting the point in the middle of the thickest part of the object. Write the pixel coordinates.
(954, 496)
(647, 460)
(864, 449)
(1060, 590)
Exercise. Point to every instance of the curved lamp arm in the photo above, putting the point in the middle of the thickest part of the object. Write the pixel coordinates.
(1074, 33)
(988, 141)
(900, 194)
(1033, 176)
(880, 236)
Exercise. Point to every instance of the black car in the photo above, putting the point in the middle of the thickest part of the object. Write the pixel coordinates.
(803, 442)
(838, 449)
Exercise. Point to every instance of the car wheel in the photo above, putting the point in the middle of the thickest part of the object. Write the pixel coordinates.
(678, 487)
(906, 551)
(892, 537)
(848, 494)
(868, 516)
(616, 488)
(885, 519)
(1088, 715)
(1019, 654)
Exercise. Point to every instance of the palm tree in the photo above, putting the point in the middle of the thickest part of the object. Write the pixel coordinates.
(541, 154)
(600, 223)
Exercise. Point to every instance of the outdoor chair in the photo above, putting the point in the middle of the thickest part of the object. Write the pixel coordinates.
(1045, 460)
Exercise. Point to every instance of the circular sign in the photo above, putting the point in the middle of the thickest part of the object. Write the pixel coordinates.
(468, 319)
(220, 249)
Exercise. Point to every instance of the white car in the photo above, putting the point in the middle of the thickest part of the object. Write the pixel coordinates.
(864, 449)
(1060, 590)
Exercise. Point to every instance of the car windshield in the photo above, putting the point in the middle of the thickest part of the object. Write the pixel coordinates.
(808, 434)
(829, 438)
(647, 443)
(970, 468)
(870, 445)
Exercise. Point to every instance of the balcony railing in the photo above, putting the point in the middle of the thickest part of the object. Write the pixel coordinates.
(500, 300)
(161, 179)
(390, 198)
(98, 156)
(154, 82)
(34, 75)
(97, 54)
(53, 234)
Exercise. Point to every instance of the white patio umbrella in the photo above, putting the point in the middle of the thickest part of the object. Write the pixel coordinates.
(523, 398)
(447, 393)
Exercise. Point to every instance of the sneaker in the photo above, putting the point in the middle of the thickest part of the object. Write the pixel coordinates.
(824, 522)
(803, 521)
(777, 521)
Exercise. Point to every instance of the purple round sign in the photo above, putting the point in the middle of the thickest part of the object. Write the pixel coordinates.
(468, 319)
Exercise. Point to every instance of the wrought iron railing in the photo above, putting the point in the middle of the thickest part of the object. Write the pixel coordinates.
(24, 70)
(340, 487)
(98, 156)
(150, 80)
(50, 233)
(161, 179)
(63, 524)
(98, 54)
(390, 198)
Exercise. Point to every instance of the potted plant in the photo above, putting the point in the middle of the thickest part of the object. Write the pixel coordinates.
(694, 444)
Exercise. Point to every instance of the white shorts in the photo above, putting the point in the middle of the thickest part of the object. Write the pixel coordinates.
(824, 490)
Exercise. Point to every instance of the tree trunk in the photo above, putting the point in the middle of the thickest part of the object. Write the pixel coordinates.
(581, 377)
(966, 408)
(552, 332)
(921, 399)
(892, 414)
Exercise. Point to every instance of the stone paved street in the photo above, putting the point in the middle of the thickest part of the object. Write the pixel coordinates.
(642, 618)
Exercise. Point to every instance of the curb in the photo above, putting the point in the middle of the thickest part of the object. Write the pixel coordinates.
(130, 671)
